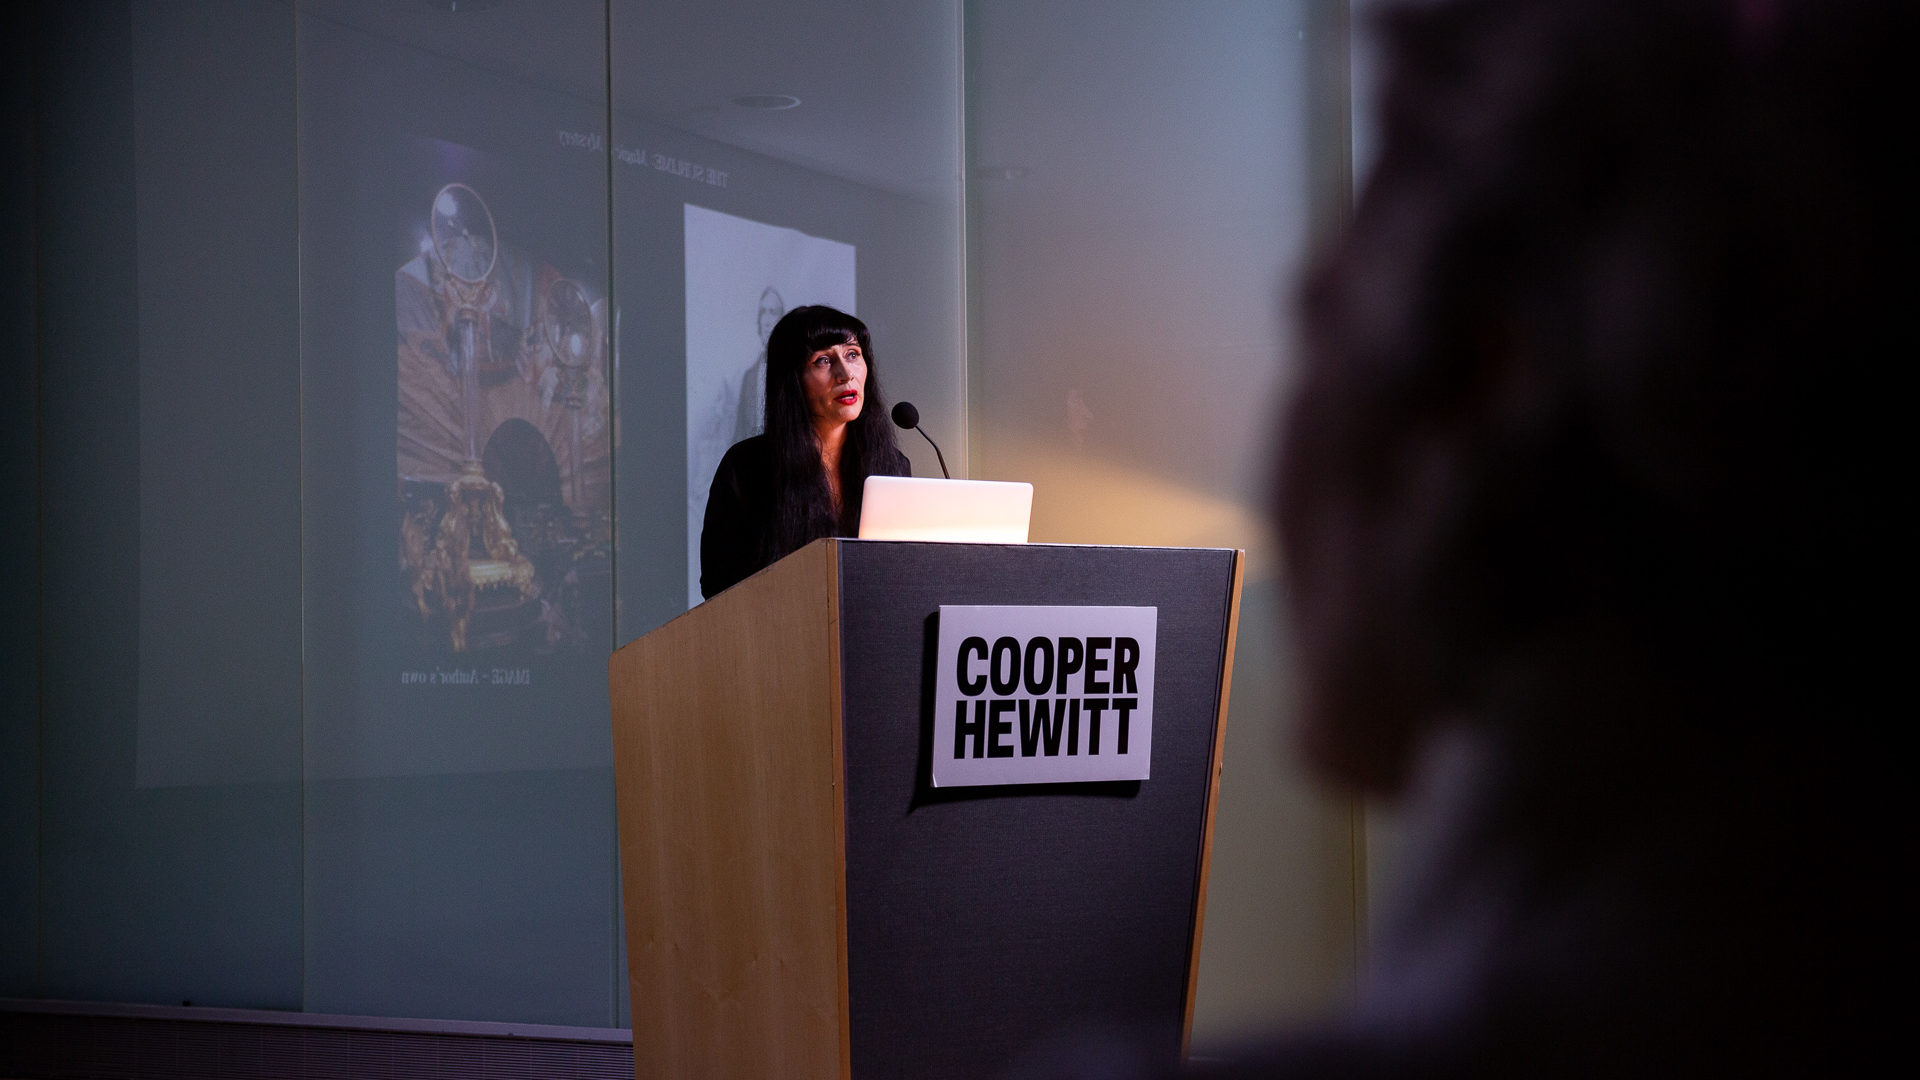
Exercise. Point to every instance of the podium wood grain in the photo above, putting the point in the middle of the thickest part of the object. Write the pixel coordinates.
(727, 752)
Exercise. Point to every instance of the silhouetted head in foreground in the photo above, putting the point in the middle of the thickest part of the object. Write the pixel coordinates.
(1584, 494)
(1584, 448)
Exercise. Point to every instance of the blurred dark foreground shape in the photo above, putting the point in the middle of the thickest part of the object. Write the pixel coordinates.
(1588, 501)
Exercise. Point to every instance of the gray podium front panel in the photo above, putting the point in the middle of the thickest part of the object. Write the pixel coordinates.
(983, 920)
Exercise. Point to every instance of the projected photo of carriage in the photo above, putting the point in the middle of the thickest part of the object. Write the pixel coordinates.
(503, 443)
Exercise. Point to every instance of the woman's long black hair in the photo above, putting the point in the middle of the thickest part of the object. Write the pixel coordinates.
(803, 504)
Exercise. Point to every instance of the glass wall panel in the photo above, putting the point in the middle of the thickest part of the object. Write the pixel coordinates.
(361, 325)
(767, 156)
(170, 761)
(1144, 178)
(455, 340)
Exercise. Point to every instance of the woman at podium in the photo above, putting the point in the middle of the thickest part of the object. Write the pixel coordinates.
(801, 479)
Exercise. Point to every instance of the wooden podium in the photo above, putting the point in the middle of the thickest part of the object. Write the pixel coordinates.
(801, 902)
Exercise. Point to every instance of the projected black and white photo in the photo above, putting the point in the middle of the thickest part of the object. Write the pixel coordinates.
(504, 515)
(742, 275)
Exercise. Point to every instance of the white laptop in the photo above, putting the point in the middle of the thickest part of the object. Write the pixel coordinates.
(961, 511)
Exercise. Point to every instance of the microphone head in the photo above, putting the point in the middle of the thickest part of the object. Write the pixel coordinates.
(906, 416)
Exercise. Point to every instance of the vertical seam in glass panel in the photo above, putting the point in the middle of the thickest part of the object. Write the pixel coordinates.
(970, 296)
(613, 500)
(300, 425)
(613, 350)
(34, 176)
(966, 291)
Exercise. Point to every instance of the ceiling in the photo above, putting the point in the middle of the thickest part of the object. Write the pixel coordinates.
(879, 83)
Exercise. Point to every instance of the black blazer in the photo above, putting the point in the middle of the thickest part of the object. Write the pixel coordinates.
(736, 537)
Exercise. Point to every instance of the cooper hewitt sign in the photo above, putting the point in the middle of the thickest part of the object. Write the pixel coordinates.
(1041, 695)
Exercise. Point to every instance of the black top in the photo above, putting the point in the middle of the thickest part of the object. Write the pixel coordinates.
(736, 538)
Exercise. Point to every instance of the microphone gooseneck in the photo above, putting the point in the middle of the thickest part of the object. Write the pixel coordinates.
(906, 416)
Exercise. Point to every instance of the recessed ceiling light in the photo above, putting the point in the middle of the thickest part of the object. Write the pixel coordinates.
(770, 102)
(1001, 172)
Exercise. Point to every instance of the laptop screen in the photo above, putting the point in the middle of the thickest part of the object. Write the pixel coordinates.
(962, 511)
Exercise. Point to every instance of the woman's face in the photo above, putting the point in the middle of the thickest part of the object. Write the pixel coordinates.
(835, 380)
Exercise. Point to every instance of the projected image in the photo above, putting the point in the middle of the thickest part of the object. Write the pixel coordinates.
(742, 276)
(504, 516)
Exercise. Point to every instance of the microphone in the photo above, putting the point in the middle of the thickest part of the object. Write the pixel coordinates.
(906, 416)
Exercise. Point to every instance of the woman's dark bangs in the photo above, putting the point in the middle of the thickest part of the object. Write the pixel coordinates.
(829, 331)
